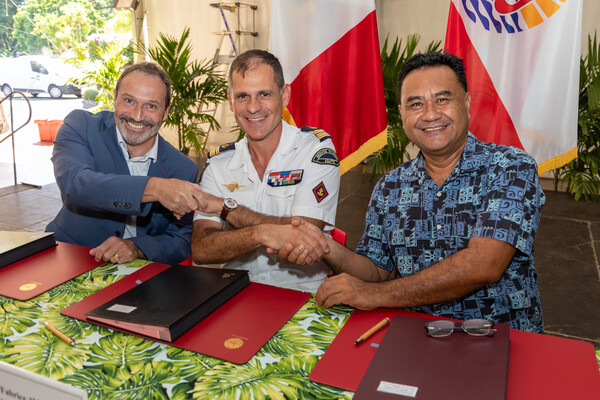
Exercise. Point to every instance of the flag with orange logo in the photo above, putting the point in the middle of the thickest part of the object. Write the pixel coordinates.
(522, 61)
(329, 51)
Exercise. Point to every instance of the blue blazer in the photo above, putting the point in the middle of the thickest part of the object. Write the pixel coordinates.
(98, 192)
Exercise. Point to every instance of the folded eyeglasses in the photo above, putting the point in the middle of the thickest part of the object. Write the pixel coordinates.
(474, 327)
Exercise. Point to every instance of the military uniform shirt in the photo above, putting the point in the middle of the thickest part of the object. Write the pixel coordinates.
(302, 179)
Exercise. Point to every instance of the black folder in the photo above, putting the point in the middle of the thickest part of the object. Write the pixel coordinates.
(411, 365)
(170, 303)
(15, 246)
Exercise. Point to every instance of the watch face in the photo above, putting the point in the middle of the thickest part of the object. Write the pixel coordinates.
(230, 203)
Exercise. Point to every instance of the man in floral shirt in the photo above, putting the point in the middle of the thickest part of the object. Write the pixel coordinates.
(456, 225)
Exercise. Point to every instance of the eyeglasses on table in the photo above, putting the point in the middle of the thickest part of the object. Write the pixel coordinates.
(474, 327)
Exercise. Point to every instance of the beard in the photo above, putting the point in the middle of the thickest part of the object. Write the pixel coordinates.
(134, 137)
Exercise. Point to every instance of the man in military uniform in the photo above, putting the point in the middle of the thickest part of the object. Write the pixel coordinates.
(275, 172)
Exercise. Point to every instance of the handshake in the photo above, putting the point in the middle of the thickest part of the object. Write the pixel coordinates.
(180, 197)
(300, 240)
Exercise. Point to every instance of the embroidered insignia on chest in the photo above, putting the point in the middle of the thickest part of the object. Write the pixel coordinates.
(222, 148)
(233, 186)
(319, 133)
(285, 178)
(320, 192)
(326, 156)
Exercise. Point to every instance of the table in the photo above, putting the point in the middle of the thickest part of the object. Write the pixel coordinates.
(110, 364)
(115, 365)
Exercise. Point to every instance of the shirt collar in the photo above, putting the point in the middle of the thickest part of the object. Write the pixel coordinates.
(152, 154)
(473, 158)
(287, 142)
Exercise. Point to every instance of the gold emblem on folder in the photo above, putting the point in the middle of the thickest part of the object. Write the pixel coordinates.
(234, 342)
(29, 286)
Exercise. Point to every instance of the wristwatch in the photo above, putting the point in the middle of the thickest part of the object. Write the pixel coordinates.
(228, 206)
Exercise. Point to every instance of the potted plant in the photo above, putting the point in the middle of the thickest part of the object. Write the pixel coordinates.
(102, 65)
(582, 174)
(89, 98)
(394, 152)
(196, 85)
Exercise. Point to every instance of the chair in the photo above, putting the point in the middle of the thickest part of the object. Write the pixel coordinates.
(339, 236)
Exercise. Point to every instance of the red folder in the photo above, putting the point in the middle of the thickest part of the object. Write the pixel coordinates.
(36, 274)
(540, 366)
(234, 332)
(344, 363)
(458, 366)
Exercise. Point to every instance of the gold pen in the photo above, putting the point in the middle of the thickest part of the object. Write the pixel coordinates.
(371, 331)
(58, 333)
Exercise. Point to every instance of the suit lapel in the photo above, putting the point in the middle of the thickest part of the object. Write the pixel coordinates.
(109, 135)
(160, 168)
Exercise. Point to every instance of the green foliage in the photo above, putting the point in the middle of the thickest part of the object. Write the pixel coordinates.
(110, 364)
(122, 350)
(8, 43)
(393, 154)
(102, 64)
(44, 353)
(582, 174)
(195, 87)
(15, 316)
(53, 26)
(191, 365)
(90, 94)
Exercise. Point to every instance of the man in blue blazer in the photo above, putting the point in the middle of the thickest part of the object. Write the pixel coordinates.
(126, 192)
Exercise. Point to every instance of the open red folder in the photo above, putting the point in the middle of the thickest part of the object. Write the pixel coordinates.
(38, 273)
(234, 332)
(540, 366)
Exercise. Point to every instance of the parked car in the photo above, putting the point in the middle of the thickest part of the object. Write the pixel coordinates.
(37, 74)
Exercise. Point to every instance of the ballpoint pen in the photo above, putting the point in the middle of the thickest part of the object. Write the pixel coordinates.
(371, 331)
(58, 333)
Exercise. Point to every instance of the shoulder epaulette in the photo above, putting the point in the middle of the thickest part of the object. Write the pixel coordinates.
(319, 133)
(222, 148)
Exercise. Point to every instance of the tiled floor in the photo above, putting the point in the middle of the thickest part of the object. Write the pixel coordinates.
(567, 246)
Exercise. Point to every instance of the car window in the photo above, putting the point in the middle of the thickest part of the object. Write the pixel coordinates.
(37, 67)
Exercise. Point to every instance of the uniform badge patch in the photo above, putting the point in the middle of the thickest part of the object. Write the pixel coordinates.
(233, 186)
(285, 178)
(222, 148)
(319, 133)
(320, 192)
(326, 156)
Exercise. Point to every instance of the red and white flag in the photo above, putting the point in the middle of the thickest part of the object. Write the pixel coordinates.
(522, 61)
(329, 51)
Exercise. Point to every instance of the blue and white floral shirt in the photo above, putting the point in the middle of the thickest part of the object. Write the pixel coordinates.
(493, 192)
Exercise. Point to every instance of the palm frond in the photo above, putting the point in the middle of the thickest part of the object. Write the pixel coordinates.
(196, 86)
(581, 176)
(394, 152)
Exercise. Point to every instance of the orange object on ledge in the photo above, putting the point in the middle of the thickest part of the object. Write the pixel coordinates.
(48, 128)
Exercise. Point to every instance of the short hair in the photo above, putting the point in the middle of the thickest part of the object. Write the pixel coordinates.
(433, 59)
(148, 68)
(253, 58)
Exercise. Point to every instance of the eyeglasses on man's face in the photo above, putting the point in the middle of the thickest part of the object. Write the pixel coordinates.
(474, 327)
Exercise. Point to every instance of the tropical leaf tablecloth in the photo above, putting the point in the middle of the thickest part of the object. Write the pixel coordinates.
(112, 365)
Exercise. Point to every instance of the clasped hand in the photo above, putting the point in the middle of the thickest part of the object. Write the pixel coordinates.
(181, 197)
(300, 242)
